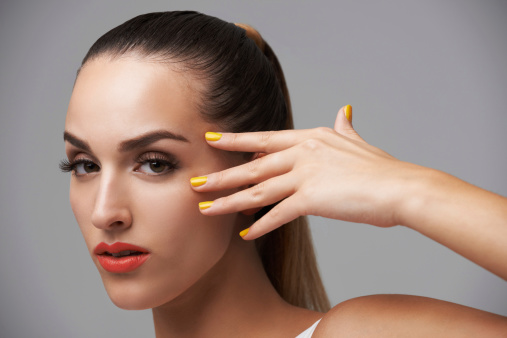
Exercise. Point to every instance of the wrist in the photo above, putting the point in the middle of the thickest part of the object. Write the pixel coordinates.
(419, 186)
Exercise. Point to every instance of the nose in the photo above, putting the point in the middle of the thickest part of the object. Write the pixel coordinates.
(111, 210)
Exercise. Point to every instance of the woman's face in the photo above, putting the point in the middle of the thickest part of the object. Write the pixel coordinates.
(135, 138)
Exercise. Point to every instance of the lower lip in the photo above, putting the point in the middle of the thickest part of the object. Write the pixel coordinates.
(122, 264)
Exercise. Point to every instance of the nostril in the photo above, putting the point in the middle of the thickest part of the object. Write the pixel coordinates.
(112, 219)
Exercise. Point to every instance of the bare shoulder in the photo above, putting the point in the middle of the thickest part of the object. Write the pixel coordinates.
(408, 316)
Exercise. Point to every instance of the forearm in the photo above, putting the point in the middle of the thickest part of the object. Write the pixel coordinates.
(467, 219)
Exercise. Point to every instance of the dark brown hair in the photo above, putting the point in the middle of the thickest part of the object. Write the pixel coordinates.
(244, 90)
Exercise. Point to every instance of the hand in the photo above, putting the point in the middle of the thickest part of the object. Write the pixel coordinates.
(324, 172)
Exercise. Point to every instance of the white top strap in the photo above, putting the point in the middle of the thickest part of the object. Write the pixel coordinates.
(309, 331)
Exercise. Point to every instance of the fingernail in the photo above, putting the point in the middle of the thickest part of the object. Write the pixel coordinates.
(348, 112)
(197, 181)
(210, 136)
(244, 232)
(205, 205)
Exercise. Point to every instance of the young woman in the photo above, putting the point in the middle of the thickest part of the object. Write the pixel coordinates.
(176, 138)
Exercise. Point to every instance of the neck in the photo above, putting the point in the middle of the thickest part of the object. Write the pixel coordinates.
(234, 298)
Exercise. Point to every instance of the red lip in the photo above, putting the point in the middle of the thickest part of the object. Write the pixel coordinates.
(121, 264)
(117, 247)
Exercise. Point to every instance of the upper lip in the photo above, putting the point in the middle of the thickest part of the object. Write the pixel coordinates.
(116, 247)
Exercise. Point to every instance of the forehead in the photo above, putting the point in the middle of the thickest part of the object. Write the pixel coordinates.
(126, 97)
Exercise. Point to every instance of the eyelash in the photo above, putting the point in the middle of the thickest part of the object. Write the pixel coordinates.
(146, 158)
(169, 161)
(70, 166)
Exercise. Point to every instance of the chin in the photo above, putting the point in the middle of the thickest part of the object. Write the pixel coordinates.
(142, 294)
(131, 305)
(129, 295)
(131, 300)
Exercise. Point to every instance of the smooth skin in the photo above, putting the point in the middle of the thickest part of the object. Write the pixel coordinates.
(334, 173)
(201, 279)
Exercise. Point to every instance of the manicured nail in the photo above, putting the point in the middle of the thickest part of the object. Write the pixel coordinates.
(197, 181)
(244, 232)
(348, 112)
(210, 136)
(205, 205)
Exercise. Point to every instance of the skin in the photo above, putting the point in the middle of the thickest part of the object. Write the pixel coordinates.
(201, 277)
(304, 167)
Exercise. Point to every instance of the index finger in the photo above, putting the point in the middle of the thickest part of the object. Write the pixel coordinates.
(255, 142)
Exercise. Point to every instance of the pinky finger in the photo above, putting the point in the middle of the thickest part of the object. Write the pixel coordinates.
(284, 212)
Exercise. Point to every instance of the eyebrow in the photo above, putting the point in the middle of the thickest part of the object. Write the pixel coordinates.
(76, 142)
(149, 138)
(129, 145)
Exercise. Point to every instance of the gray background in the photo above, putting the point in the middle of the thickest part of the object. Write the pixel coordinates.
(428, 83)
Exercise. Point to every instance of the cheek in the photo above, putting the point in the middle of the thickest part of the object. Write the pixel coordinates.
(185, 244)
(82, 197)
(171, 213)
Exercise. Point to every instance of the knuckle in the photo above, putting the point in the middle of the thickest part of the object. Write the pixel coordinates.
(306, 194)
(274, 213)
(220, 178)
(253, 168)
(275, 160)
(325, 131)
(266, 138)
(257, 192)
(313, 144)
(234, 139)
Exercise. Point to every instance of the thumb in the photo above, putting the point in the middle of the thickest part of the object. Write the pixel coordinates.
(343, 123)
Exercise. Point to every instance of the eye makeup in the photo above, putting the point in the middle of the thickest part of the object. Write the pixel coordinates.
(156, 163)
(79, 167)
(149, 163)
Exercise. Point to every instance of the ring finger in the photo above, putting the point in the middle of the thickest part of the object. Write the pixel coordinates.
(259, 195)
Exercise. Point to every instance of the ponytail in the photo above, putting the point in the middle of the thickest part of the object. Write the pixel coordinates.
(287, 252)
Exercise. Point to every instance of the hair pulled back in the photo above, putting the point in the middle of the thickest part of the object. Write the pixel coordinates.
(243, 90)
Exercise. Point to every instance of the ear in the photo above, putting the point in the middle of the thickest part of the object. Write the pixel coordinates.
(343, 123)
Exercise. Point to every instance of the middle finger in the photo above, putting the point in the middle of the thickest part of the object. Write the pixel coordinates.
(252, 172)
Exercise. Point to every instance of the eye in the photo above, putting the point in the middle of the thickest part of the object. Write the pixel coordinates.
(154, 167)
(85, 167)
(156, 164)
(79, 167)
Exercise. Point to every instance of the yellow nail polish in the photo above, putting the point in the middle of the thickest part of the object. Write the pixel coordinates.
(348, 112)
(197, 181)
(205, 205)
(210, 136)
(244, 232)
